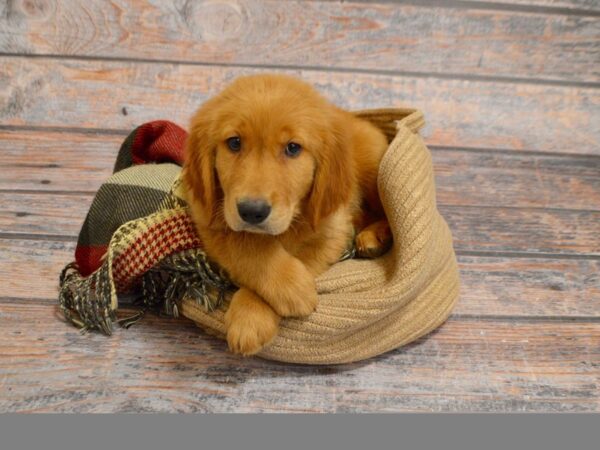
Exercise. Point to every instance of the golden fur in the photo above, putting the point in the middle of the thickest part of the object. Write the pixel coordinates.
(316, 197)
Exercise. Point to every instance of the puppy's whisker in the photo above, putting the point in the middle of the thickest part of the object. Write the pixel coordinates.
(220, 210)
(298, 221)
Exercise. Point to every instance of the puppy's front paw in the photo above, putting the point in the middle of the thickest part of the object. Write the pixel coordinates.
(374, 240)
(293, 292)
(251, 323)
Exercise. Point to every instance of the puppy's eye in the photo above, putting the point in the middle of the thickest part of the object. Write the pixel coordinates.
(234, 143)
(293, 149)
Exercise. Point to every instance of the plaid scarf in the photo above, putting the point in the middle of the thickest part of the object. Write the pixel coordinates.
(138, 238)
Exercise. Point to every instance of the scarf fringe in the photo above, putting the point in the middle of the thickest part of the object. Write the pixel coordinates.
(86, 301)
(184, 274)
(90, 303)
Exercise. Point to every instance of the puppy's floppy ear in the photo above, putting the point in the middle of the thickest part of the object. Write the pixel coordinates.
(199, 169)
(334, 176)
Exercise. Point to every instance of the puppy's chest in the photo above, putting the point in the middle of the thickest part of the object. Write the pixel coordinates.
(332, 235)
(295, 242)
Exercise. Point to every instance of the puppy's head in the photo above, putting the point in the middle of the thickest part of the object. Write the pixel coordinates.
(265, 152)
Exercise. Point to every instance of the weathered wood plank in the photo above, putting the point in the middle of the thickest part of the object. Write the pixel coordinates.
(460, 113)
(524, 230)
(63, 161)
(169, 365)
(45, 214)
(367, 36)
(517, 180)
(529, 287)
(67, 161)
(30, 269)
(490, 285)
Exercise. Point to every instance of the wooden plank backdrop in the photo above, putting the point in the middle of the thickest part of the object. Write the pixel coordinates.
(389, 37)
(511, 94)
(48, 92)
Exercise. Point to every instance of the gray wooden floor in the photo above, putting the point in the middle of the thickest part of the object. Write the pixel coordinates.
(511, 93)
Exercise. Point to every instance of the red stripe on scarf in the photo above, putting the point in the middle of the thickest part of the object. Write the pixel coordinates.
(89, 258)
(159, 141)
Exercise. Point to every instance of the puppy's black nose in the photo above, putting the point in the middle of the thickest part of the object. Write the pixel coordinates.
(253, 211)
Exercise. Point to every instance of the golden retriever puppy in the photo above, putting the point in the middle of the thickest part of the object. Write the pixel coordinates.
(278, 181)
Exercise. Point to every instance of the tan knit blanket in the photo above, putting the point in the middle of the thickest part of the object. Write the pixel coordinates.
(370, 306)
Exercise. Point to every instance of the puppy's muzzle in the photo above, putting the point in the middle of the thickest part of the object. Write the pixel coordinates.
(253, 211)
